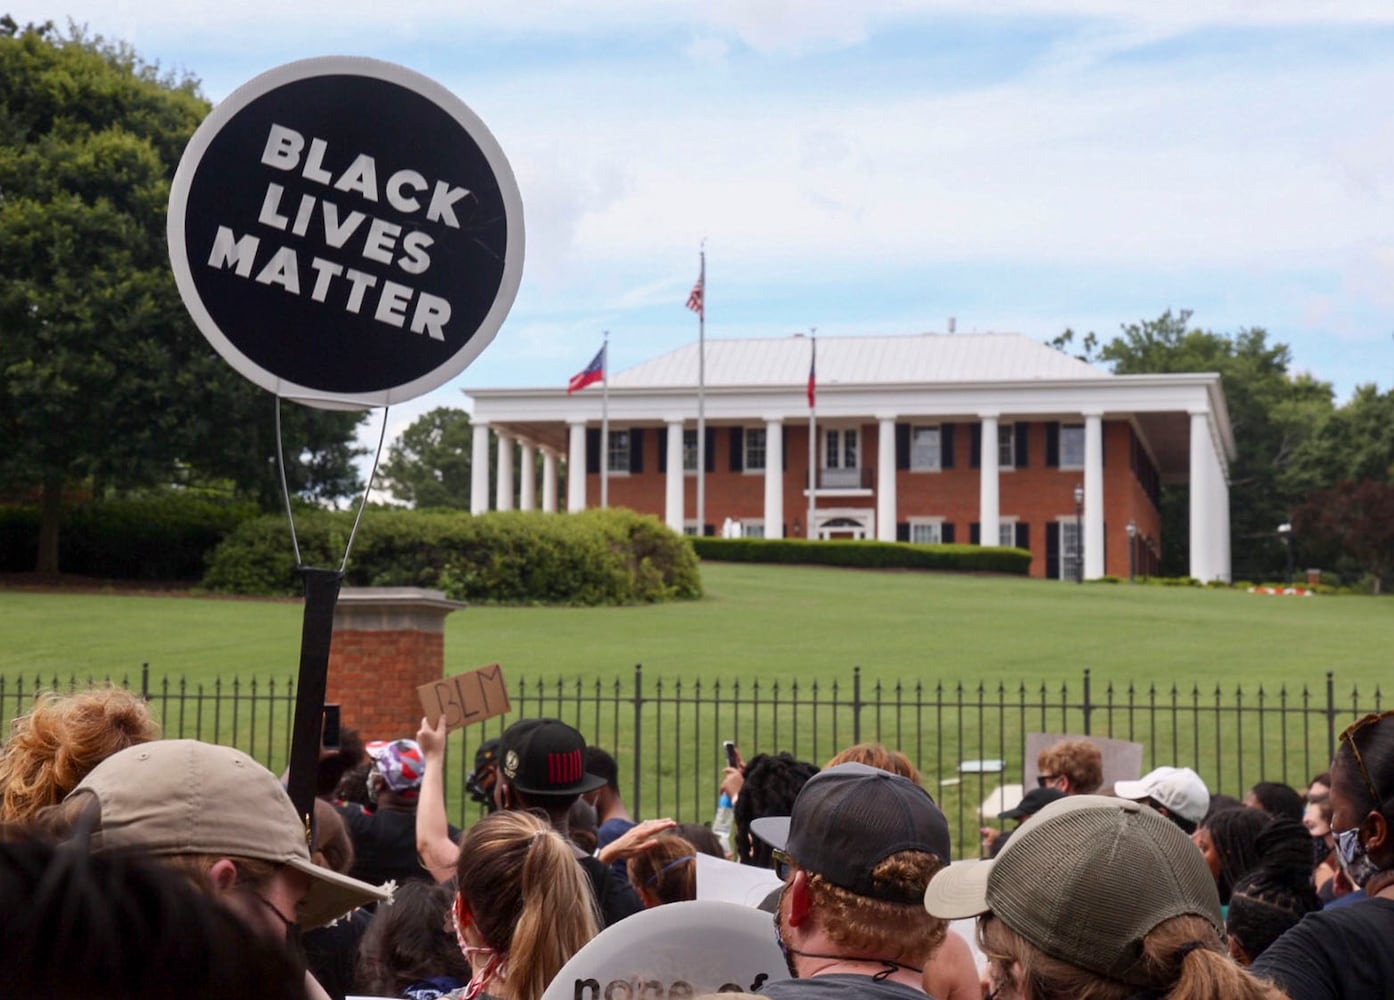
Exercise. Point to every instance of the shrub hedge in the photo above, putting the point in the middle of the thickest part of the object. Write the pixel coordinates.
(872, 555)
(165, 535)
(508, 557)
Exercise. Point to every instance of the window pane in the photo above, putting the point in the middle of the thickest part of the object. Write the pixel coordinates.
(1072, 446)
(1006, 534)
(923, 533)
(1006, 438)
(1070, 567)
(849, 449)
(689, 451)
(831, 452)
(755, 449)
(753, 529)
(924, 448)
(619, 451)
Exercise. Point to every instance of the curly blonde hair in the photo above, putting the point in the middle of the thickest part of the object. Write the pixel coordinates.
(862, 925)
(64, 737)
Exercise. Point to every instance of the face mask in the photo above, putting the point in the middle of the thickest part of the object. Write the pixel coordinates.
(1321, 850)
(1354, 861)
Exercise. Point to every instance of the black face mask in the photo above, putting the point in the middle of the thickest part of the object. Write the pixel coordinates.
(1321, 849)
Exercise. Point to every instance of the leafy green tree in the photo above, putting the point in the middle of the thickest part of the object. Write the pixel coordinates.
(429, 465)
(104, 382)
(1273, 414)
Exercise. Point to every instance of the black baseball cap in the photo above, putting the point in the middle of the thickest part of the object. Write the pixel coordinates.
(1032, 802)
(849, 818)
(545, 757)
(487, 753)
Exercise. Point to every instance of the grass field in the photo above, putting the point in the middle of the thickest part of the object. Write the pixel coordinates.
(791, 624)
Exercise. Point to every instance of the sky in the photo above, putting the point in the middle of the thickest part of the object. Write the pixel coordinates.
(880, 166)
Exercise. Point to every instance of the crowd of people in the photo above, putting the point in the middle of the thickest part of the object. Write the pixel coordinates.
(135, 866)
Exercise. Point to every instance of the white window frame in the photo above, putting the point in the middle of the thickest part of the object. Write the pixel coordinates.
(689, 450)
(1006, 528)
(753, 527)
(1006, 447)
(691, 528)
(762, 449)
(937, 464)
(838, 438)
(1066, 463)
(617, 447)
(1071, 557)
(935, 526)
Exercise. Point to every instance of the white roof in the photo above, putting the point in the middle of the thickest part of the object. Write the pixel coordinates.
(932, 358)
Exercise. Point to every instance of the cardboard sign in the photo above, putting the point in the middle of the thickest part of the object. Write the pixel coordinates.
(465, 698)
(345, 232)
(675, 952)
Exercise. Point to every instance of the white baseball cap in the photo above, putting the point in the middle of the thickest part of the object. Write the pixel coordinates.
(1179, 789)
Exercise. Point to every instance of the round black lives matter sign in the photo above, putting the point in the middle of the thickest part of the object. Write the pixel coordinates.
(346, 232)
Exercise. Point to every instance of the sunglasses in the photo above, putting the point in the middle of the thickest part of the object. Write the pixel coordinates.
(1348, 737)
(1043, 778)
(783, 863)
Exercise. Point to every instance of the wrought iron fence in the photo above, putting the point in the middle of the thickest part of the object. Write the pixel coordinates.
(667, 732)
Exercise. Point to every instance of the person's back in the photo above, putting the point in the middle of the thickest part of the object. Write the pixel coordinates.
(384, 836)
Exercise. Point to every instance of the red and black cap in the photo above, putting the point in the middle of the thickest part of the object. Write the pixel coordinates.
(545, 757)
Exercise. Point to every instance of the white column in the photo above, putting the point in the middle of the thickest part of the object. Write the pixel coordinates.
(989, 484)
(1223, 569)
(549, 480)
(673, 482)
(774, 479)
(527, 469)
(1202, 493)
(576, 469)
(479, 470)
(885, 479)
(1093, 496)
(503, 486)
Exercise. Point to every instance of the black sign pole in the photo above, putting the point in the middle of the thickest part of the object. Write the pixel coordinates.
(317, 629)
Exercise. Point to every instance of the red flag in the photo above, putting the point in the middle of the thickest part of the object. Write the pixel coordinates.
(593, 372)
(812, 378)
(694, 301)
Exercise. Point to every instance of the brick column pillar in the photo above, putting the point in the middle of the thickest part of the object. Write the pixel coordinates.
(387, 641)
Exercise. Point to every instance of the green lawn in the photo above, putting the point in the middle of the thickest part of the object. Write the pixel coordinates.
(792, 625)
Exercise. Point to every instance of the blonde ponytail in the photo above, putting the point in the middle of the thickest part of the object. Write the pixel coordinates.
(528, 898)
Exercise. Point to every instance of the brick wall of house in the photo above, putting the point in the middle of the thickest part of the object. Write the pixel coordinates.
(1036, 494)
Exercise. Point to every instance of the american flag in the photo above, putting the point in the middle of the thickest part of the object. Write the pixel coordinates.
(694, 301)
(812, 375)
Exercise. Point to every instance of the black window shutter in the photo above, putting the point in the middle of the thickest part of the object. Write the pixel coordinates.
(902, 452)
(636, 449)
(711, 449)
(975, 533)
(737, 456)
(1023, 536)
(1053, 444)
(902, 531)
(975, 445)
(946, 446)
(709, 529)
(663, 450)
(946, 533)
(1023, 444)
(593, 451)
(1052, 550)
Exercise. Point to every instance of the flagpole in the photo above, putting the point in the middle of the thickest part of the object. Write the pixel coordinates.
(812, 433)
(701, 396)
(605, 422)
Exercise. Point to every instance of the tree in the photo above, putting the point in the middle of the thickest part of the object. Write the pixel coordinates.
(429, 465)
(1351, 519)
(1272, 412)
(104, 382)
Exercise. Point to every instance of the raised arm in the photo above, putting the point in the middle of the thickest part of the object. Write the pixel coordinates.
(436, 851)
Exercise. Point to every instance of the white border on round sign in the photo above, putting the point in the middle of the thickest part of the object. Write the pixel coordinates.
(375, 69)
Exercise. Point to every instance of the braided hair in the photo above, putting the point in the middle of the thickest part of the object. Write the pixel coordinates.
(1277, 893)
